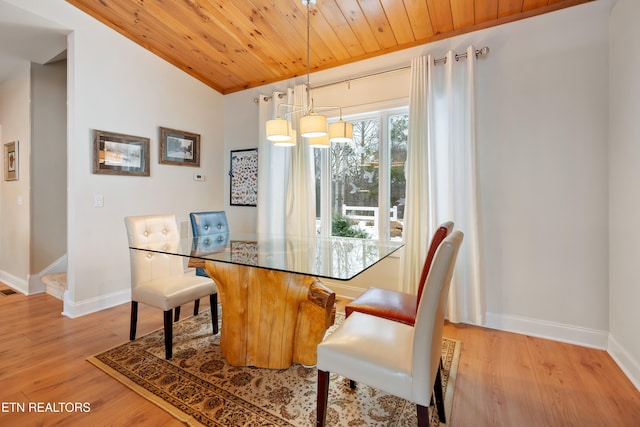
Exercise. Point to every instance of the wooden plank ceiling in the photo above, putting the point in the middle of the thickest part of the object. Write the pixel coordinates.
(232, 45)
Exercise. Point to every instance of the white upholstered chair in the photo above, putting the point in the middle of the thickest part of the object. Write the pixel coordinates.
(396, 305)
(400, 359)
(158, 279)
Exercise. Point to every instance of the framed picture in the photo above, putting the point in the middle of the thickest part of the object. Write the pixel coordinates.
(244, 177)
(11, 161)
(179, 148)
(244, 252)
(119, 154)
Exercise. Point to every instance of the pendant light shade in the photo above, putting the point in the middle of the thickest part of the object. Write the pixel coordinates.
(313, 125)
(278, 130)
(290, 142)
(319, 141)
(340, 131)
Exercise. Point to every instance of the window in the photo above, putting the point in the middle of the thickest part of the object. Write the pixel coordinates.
(361, 185)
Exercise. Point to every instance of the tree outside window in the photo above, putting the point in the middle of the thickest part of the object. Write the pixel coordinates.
(367, 177)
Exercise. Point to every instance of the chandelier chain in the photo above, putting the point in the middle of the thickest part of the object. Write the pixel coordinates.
(308, 54)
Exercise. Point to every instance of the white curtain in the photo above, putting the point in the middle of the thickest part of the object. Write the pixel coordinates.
(286, 189)
(273, 170)
(301, 195)
(441, 176)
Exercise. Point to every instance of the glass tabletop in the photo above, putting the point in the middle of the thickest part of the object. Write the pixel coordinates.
(339, 258)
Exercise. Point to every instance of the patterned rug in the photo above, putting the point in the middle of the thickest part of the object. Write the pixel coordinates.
(200, 389)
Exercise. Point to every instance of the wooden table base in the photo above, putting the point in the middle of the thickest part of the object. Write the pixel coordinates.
(270, 319)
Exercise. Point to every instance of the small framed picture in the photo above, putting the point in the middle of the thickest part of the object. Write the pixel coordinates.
(11, 161)
(120, 154)
(244, 177)
(179, 148)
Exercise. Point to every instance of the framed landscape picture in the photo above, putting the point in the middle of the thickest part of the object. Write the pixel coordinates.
(244, 177)
(120, 154)
(179, 148)
(11, 161)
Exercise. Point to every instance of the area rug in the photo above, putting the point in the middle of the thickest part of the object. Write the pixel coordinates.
(199, 388)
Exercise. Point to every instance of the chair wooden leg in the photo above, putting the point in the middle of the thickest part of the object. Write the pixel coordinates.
(134, 320)
(352, 384)
(168, 334)
(323, 398)
(439, 398)
(177, 314)
(196, 307)
(423, 415)
(213, 301)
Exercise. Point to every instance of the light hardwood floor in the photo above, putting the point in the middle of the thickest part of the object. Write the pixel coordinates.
(503, 379)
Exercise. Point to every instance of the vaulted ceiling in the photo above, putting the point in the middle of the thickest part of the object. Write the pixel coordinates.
(232, 45)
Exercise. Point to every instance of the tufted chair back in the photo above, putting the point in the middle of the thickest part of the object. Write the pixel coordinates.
(157, 232)
(212, 232)
(206, 223)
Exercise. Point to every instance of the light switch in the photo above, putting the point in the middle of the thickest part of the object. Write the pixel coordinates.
(98, 201)
(199, 177)
(19, 201)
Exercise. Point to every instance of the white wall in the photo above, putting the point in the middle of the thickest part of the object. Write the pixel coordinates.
(14, 195)
(543, 165)
(240, 115)
(624, 166)
(48, 165)
(542, 137)
(115, 85)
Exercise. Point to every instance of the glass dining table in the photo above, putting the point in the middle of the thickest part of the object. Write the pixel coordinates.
(275, 308)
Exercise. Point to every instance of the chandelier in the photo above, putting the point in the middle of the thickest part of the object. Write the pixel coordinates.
(312, 125)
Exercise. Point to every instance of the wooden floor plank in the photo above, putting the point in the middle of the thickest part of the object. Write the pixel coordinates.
(507, 379)
(583, 387)
(503, 379)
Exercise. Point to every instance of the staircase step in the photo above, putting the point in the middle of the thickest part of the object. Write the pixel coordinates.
(55, 283)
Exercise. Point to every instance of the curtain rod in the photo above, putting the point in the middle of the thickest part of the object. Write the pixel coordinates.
(484, 51)
(268, 98)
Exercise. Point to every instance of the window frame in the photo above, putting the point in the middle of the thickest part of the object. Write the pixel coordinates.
(381, 111)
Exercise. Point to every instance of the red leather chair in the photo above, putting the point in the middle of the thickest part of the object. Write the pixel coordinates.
(401, 306)
(395, 305)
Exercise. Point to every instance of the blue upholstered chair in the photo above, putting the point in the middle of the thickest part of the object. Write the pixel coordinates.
(212, 224)
(211, 231)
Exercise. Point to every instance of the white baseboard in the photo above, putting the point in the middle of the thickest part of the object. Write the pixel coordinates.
(14, 282)
(550, 330)
(625, 361)
(74, 309)
(343, 289)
